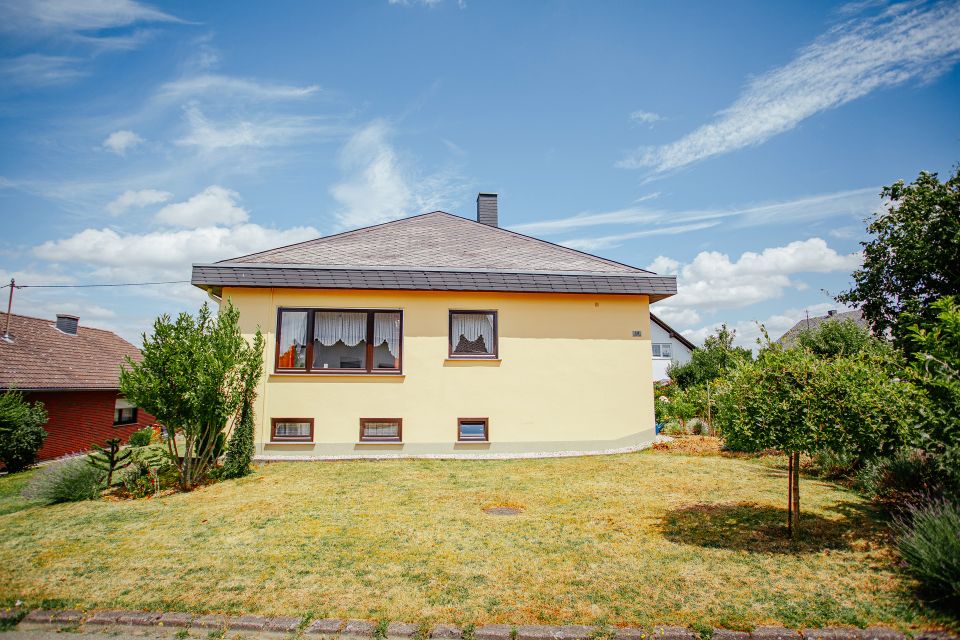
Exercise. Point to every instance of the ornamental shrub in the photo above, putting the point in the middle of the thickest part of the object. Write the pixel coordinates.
(141, 438)
(72, 480)
(240, 449)
(929, 543)
(21, 430)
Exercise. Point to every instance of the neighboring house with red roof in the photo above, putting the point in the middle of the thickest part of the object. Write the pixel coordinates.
(74, 371)
(438, 335)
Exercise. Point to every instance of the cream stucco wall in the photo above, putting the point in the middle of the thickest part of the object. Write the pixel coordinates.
(571, 376)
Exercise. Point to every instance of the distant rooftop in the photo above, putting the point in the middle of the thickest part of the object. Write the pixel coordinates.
(789, 338)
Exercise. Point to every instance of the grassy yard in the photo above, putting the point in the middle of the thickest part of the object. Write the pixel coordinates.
(654, 537)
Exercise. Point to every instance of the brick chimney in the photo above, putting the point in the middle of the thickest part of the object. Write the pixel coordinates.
(67, 324)
(487, 209)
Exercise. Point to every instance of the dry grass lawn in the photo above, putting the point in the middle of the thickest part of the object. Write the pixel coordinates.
(655, 537)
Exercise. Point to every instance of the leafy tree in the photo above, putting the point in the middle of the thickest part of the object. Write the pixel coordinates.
(712, 361)
(937, 367)
(191, 377)
(839, 337)
(21, 430)
(911, 261)
(794, 401)
(109, 458)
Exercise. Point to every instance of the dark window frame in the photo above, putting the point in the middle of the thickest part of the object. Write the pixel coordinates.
(309, 370)
(486, 429)
(364, 421)
(121, 422)
(495, 355)
(280, 439)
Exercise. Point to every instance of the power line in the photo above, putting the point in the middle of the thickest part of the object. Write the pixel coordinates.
(85, 286)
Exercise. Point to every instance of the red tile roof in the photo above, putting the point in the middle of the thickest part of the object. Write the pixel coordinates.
(41, 356)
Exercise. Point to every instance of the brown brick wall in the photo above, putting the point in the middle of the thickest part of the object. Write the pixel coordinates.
(78, 419)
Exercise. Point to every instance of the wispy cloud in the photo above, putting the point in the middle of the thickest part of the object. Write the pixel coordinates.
(231, 86)
(142, 198)
(645, 117)
(53, 16)
(900, 43)
(606, 242)
(267, 131)
(119, 142)
(853, 203)
(38, 70)
(378, 186)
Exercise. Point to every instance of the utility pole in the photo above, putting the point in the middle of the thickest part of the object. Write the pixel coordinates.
(13, 285)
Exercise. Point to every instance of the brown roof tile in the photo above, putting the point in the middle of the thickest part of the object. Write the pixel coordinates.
(43, 357)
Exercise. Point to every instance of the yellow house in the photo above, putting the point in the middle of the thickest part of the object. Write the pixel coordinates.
(437, 335)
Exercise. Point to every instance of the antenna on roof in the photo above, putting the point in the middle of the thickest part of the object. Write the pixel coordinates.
(6, 332)
(807, 311)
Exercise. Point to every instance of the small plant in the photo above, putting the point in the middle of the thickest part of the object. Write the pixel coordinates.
(908, 476)
(21, 430)
(141, 438)
(139, 480)
(929, 543)
(833, 465)
(72, 480)
(110, 458)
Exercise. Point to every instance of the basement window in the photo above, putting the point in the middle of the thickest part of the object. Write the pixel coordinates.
(124, 413)
(381, 429)
(473, 334)
(291, 430)
(473, 429)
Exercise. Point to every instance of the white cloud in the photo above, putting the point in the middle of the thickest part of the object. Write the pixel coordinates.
(713, 281)
(119, 142)
(749, 332)
(37, 70)
(902, 42)
(211, 136)
(212, 206)
(162, 255)
(856, 203)
(378, 187)
(142, 198)
(606, 242)
(645, 117)
(222, 85)
(51, 16)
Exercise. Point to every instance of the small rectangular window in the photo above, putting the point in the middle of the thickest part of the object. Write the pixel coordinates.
(291, 429)
(663, 350)
(473, 429)
(124, 415)
(473, 334)
(381, 429)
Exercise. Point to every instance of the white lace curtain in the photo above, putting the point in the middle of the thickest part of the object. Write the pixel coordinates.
(386, 328)
(471, 326)
(293, 329)
(330, 327)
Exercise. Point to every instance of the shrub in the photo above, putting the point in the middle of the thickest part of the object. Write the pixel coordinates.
(141, 438)
(929, 543)
(72, 480)
(833, 465)
(21, 430)
(240, 450)
(139, 480)
(909, 476)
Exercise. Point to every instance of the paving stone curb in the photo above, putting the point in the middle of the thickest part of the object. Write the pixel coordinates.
(251, 626)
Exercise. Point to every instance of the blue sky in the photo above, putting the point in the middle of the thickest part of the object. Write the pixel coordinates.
(739, 145)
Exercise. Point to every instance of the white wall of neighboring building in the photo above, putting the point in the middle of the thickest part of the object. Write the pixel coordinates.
(679, 352)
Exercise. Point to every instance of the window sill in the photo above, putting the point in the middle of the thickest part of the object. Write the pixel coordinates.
(310, 442)
(392, 442)
(490, 362)
(284, 374)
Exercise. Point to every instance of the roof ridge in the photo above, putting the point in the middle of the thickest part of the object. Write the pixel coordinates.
(82, 327)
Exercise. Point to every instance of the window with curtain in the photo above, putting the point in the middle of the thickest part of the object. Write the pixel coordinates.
(473, 334)
(662, 350)
(291, 430)
(381, 429)
(340, 340)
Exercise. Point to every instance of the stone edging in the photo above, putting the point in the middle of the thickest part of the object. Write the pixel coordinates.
(253, 626)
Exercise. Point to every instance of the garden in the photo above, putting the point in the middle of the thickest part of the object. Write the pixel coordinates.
(810, 484)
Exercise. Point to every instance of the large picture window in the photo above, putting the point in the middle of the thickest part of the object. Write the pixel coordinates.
(473, 334)
(339, 341)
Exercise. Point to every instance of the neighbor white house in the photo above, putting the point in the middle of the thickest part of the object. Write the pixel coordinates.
(667, 346)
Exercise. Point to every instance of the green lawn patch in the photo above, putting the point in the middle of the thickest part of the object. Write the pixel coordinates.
(632, 539)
